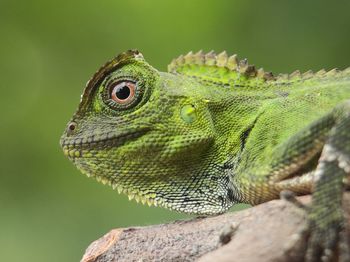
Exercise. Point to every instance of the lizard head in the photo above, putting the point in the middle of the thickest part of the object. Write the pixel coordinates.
(150, 135)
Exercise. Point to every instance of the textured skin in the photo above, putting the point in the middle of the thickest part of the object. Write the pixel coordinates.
(215, 131)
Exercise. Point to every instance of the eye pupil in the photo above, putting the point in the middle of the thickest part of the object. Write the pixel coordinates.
(122, 92)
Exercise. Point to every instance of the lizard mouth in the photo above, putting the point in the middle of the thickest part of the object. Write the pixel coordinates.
(75, 147)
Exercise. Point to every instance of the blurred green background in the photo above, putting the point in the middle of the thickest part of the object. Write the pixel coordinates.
(49, 49)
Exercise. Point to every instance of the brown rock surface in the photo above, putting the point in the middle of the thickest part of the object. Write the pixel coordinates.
(261, 233)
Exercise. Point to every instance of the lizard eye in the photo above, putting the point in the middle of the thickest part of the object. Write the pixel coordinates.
(123, 92)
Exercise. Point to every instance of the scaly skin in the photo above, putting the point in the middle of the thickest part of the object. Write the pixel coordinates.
(214, 132)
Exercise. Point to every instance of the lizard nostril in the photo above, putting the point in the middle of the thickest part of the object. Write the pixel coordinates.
(71, 127)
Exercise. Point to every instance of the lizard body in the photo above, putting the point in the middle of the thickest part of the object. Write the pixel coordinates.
(214, 131)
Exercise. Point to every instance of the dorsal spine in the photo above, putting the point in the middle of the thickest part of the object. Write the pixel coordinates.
(232, 63)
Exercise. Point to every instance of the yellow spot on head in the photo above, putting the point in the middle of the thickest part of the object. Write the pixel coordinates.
(188, 113)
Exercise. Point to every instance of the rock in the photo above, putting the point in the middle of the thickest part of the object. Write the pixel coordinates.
(266, 232)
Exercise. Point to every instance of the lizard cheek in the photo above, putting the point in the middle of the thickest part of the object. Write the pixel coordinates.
(188, 113)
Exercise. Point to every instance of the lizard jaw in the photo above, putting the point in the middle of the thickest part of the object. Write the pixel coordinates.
(77, 147)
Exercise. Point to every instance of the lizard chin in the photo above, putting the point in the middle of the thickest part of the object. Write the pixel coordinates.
(132, 178)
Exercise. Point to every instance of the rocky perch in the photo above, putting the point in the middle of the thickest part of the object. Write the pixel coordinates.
(267, 232)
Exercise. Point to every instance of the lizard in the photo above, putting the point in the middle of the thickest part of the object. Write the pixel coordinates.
(214, 131)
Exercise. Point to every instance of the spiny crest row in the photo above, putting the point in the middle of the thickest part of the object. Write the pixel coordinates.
(310, 74)
(150, 200)
(234, 64)
(221, 60)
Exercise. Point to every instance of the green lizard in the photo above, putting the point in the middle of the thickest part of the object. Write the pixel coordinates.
(214, 131)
